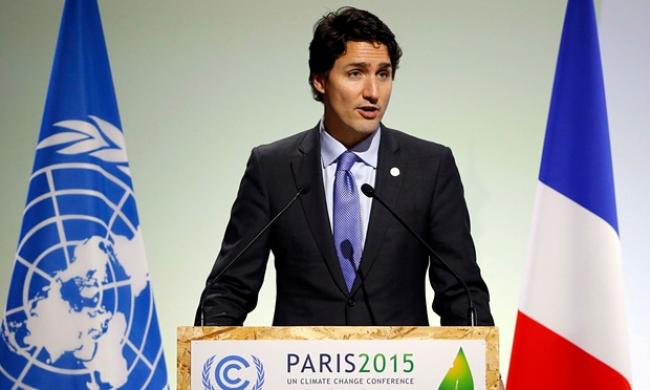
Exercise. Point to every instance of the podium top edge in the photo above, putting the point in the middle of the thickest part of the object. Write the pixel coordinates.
(188, 333)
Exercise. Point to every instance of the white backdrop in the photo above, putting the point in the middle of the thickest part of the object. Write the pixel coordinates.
(200, 82)
(625, 47)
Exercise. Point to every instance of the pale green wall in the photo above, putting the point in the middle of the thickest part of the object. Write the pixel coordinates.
(199, 83)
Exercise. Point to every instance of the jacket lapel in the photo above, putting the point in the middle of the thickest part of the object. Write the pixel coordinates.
(307, 170)
(387, 187)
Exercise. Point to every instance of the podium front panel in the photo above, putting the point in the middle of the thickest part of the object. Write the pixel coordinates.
(319, 358)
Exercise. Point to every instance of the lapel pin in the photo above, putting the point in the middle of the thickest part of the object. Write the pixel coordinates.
(394, 171)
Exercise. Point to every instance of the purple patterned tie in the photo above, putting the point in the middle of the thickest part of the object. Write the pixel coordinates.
(347, 218)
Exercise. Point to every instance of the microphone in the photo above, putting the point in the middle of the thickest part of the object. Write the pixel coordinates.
(348, 252)
(369, 191)
(199, 317)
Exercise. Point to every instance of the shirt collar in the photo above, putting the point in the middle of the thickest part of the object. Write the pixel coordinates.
(330, 148)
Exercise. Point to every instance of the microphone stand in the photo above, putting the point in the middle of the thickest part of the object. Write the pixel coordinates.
(369, 191)
(348, 252)
(199, 317)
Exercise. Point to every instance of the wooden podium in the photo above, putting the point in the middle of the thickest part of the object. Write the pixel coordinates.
(321, 365)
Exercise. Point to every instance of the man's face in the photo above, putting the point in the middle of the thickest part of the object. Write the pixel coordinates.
(356, 91)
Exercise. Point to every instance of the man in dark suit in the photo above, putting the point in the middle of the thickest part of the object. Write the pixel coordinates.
(341, 258)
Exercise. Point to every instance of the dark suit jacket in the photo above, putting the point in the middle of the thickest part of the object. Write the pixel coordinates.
(427, 193)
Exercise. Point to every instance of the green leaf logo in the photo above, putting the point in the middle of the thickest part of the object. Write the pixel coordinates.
(459, 376)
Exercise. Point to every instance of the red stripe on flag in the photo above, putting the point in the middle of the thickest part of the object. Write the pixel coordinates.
(542, 359)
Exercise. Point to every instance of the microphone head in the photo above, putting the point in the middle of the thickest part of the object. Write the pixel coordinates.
(347, 250)
(302, 190)
(368, 190)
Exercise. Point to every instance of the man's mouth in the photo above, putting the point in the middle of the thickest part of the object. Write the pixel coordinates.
(368, 112)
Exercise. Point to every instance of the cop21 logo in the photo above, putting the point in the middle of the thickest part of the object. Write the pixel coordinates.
(226, 370)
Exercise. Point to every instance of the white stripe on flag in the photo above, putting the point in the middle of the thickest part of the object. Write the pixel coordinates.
(574, 279)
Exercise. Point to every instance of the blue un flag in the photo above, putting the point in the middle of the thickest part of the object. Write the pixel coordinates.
(80, 312)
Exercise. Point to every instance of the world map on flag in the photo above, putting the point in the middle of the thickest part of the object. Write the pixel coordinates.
(80, 308)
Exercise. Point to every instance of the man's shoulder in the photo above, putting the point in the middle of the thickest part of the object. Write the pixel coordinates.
(412, 143)
(288, 146)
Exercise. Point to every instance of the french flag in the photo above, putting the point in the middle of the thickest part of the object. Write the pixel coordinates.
(571, 331)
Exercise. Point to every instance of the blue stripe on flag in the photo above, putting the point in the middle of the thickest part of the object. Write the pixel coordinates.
(577, 160)
(81, 68)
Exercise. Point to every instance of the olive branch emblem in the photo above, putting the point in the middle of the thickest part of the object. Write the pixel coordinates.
(260, 373)
(99, 138)
(207, 369)
(205, 373)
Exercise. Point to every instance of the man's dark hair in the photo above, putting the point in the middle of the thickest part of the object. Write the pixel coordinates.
(334, 30)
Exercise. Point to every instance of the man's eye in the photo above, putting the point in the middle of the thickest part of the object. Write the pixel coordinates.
(384, 75)
(354, 73)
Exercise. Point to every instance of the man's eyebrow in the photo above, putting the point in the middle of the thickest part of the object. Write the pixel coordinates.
(383, 65)
(358, 65)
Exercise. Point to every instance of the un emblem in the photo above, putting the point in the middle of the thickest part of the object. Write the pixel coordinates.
(80, 312)
(230, 371)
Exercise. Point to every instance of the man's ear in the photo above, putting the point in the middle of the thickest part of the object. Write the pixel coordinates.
(318, 81)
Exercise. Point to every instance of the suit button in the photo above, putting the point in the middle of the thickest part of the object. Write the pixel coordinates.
(351, 302)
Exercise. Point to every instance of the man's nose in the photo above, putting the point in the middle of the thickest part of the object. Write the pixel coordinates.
(370, 90)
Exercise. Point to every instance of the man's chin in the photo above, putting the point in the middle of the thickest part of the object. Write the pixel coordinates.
(366, 127)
